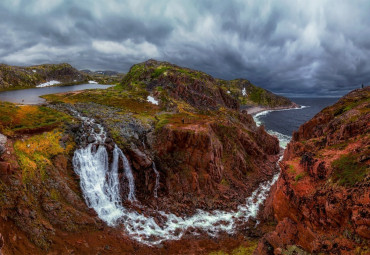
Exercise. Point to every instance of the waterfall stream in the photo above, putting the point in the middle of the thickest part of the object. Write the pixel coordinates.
(100, 185)
(156, 180)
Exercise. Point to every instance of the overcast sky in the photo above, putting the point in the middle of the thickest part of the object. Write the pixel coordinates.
(298, 47)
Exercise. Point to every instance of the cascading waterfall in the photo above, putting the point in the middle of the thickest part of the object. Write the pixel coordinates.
(101, 189)
(99, 182)
(156, 180)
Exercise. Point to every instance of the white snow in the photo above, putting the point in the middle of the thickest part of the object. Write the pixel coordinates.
(47, 84)
(93, 82)
(244, 92)
(34, 71)
(152, 100)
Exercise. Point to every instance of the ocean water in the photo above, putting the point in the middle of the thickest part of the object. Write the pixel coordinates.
(282, 123)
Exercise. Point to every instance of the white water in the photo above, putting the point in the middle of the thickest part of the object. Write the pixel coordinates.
(101, 188)
(99, 181)
(156, 180)
(283, 139)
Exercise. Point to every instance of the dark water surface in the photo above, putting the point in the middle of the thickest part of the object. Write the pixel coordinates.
(282, 123)
(32, 96)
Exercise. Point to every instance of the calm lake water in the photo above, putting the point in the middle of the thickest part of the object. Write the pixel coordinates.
(32, 96)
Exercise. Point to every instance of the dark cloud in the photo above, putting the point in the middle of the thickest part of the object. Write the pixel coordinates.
(290, 47)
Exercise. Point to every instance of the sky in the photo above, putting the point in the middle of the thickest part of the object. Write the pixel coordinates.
(291, 47)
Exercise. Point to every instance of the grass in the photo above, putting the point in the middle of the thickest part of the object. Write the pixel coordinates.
(291, 169)
(159, 71)
(299, 176)
(35, 154)
(133, 101)
(347, 171)
(241, 250)
(29, 118)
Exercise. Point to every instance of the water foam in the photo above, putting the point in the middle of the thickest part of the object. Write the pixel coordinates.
(283, 139)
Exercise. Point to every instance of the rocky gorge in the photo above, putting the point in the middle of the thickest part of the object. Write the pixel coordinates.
(195, 156)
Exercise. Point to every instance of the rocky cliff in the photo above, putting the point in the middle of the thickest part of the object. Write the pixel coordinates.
(12, 77)
(322, 197)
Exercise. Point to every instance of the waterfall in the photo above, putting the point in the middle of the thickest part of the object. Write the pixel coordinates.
(100, 185)
(128, 174)
(156, 180)
(99, 182)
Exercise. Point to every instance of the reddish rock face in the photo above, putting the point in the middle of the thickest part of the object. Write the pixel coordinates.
(322, 198)
(207, 165)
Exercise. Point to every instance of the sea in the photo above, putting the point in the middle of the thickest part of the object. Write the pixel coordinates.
(282, 123)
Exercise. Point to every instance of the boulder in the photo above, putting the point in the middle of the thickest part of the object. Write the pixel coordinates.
(3, 141)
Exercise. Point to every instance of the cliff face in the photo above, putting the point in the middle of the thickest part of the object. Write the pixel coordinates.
(322, 197)
(26, 77)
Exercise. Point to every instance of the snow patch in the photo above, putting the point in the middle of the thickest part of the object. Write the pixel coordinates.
(34, 71)
(93, 82)
(47, 84)
(152, 100)
(244, 92)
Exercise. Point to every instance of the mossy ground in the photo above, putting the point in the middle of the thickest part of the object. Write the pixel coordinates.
(35, 154)
(27, 119)
(347, 170)
(246, 249)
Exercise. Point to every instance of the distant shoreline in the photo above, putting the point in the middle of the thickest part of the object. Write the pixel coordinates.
(257, 109)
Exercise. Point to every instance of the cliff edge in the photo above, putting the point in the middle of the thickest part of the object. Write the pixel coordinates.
(322, 197)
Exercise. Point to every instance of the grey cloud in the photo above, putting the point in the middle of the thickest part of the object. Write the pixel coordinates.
(289, 47)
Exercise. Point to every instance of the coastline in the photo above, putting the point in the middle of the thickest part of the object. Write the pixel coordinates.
(258, 109)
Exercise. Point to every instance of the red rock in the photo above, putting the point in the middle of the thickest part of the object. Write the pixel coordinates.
(5, 168)
(311, 210)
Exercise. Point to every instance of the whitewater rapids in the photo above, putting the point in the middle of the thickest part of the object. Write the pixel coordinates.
(101, 189)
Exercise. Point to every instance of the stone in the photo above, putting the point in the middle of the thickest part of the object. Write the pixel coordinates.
(3, 141)
(91, 139)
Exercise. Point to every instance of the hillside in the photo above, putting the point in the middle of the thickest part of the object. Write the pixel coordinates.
(199, 89)
(321, 200)
(15, 77)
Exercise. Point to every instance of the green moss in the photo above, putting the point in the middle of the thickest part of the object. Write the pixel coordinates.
(28, 118)
(241, 250)
(35, 154)
(300, 176)
(292, 169)
(159, 71)
(347, 171)
(225, 182)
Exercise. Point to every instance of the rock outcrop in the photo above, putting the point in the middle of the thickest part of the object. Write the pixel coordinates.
(322, 197)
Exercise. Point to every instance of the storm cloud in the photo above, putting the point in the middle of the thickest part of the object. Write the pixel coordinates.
(317, 47)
